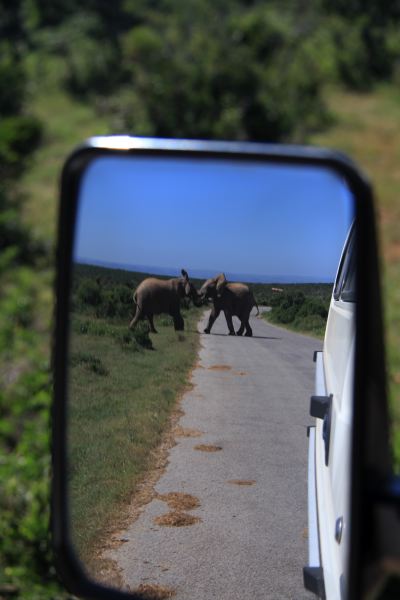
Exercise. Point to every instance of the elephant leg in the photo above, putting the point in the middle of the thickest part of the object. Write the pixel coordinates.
(249, 331)
(241, 328)
(213, 315)
(151, 323)
(179, 323)
(228, 318)
(138, 315)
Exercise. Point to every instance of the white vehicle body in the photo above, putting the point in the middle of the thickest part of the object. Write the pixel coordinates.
(330, 440)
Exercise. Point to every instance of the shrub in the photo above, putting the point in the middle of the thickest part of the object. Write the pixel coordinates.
(141, 335)
(91, 362)
(89, 292)
(128, 342)
(137, 339)
(303, 312)
(312, 323)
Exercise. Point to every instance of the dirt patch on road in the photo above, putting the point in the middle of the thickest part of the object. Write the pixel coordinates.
(176, 518)
(225, 368)
(179, 500)
(208, 448)
(242, 481)
(152, 591)
(186, 432)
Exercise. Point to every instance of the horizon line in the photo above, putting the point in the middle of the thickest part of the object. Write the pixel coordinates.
(204, 273)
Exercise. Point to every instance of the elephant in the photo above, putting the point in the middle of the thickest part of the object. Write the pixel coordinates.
(234, 299)
(155, 296)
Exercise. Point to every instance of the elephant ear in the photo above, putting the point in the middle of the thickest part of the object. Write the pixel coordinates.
(186, 282)
(220, 284)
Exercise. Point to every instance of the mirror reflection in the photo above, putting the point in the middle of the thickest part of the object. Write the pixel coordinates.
(201, 290)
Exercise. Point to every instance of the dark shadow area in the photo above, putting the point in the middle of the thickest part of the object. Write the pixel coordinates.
(260, 337)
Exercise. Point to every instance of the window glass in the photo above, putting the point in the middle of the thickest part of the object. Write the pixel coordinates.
(344, 266)
(348, 293)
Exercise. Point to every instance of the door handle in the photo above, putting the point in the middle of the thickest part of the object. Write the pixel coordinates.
(321, 408)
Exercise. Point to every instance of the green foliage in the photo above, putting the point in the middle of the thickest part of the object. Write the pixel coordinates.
(140, 336)
(12, 81)
(91, 60)
(301, 311)
(20, 135)
(223, 78)
(366, 39)
(25, 395)
(89, 292)
(16, 242)
(136, 340)
(107, 300)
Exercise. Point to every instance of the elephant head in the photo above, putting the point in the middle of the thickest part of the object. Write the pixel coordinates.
(188, 290)
(214, 287)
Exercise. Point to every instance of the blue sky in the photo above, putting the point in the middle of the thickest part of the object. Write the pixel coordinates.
(267, 222)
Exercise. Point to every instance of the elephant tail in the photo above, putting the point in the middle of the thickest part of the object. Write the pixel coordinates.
(256, 305)
(132, 324)
(135, 300)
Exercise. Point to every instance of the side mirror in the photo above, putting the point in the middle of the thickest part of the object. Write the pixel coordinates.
(180, 459)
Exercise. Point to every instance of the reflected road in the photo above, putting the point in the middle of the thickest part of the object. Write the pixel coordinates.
(249, 406)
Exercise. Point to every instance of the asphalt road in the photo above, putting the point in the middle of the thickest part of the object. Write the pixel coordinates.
(250, 398)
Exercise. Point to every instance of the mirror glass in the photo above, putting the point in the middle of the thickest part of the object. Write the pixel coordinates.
(201, 289)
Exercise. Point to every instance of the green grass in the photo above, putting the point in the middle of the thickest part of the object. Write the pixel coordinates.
(121, 396)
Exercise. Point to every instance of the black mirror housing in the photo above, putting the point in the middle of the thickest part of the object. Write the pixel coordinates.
(374, 499)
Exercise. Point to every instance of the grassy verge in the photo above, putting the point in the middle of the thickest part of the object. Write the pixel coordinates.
(122, 391)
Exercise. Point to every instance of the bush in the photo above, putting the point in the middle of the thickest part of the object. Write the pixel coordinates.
(295, 308)
(91, 58)
(312, 323)
(91, 362)
(137, 339)
(111, 302)
(89, 292)
(141, 335)
(313, 307)
(244, 66)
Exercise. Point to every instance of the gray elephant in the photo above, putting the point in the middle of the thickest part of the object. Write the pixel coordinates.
(234, 299)
(155, 296)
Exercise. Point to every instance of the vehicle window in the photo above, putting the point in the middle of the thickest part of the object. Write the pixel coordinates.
(343, 267)
(348, 293)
